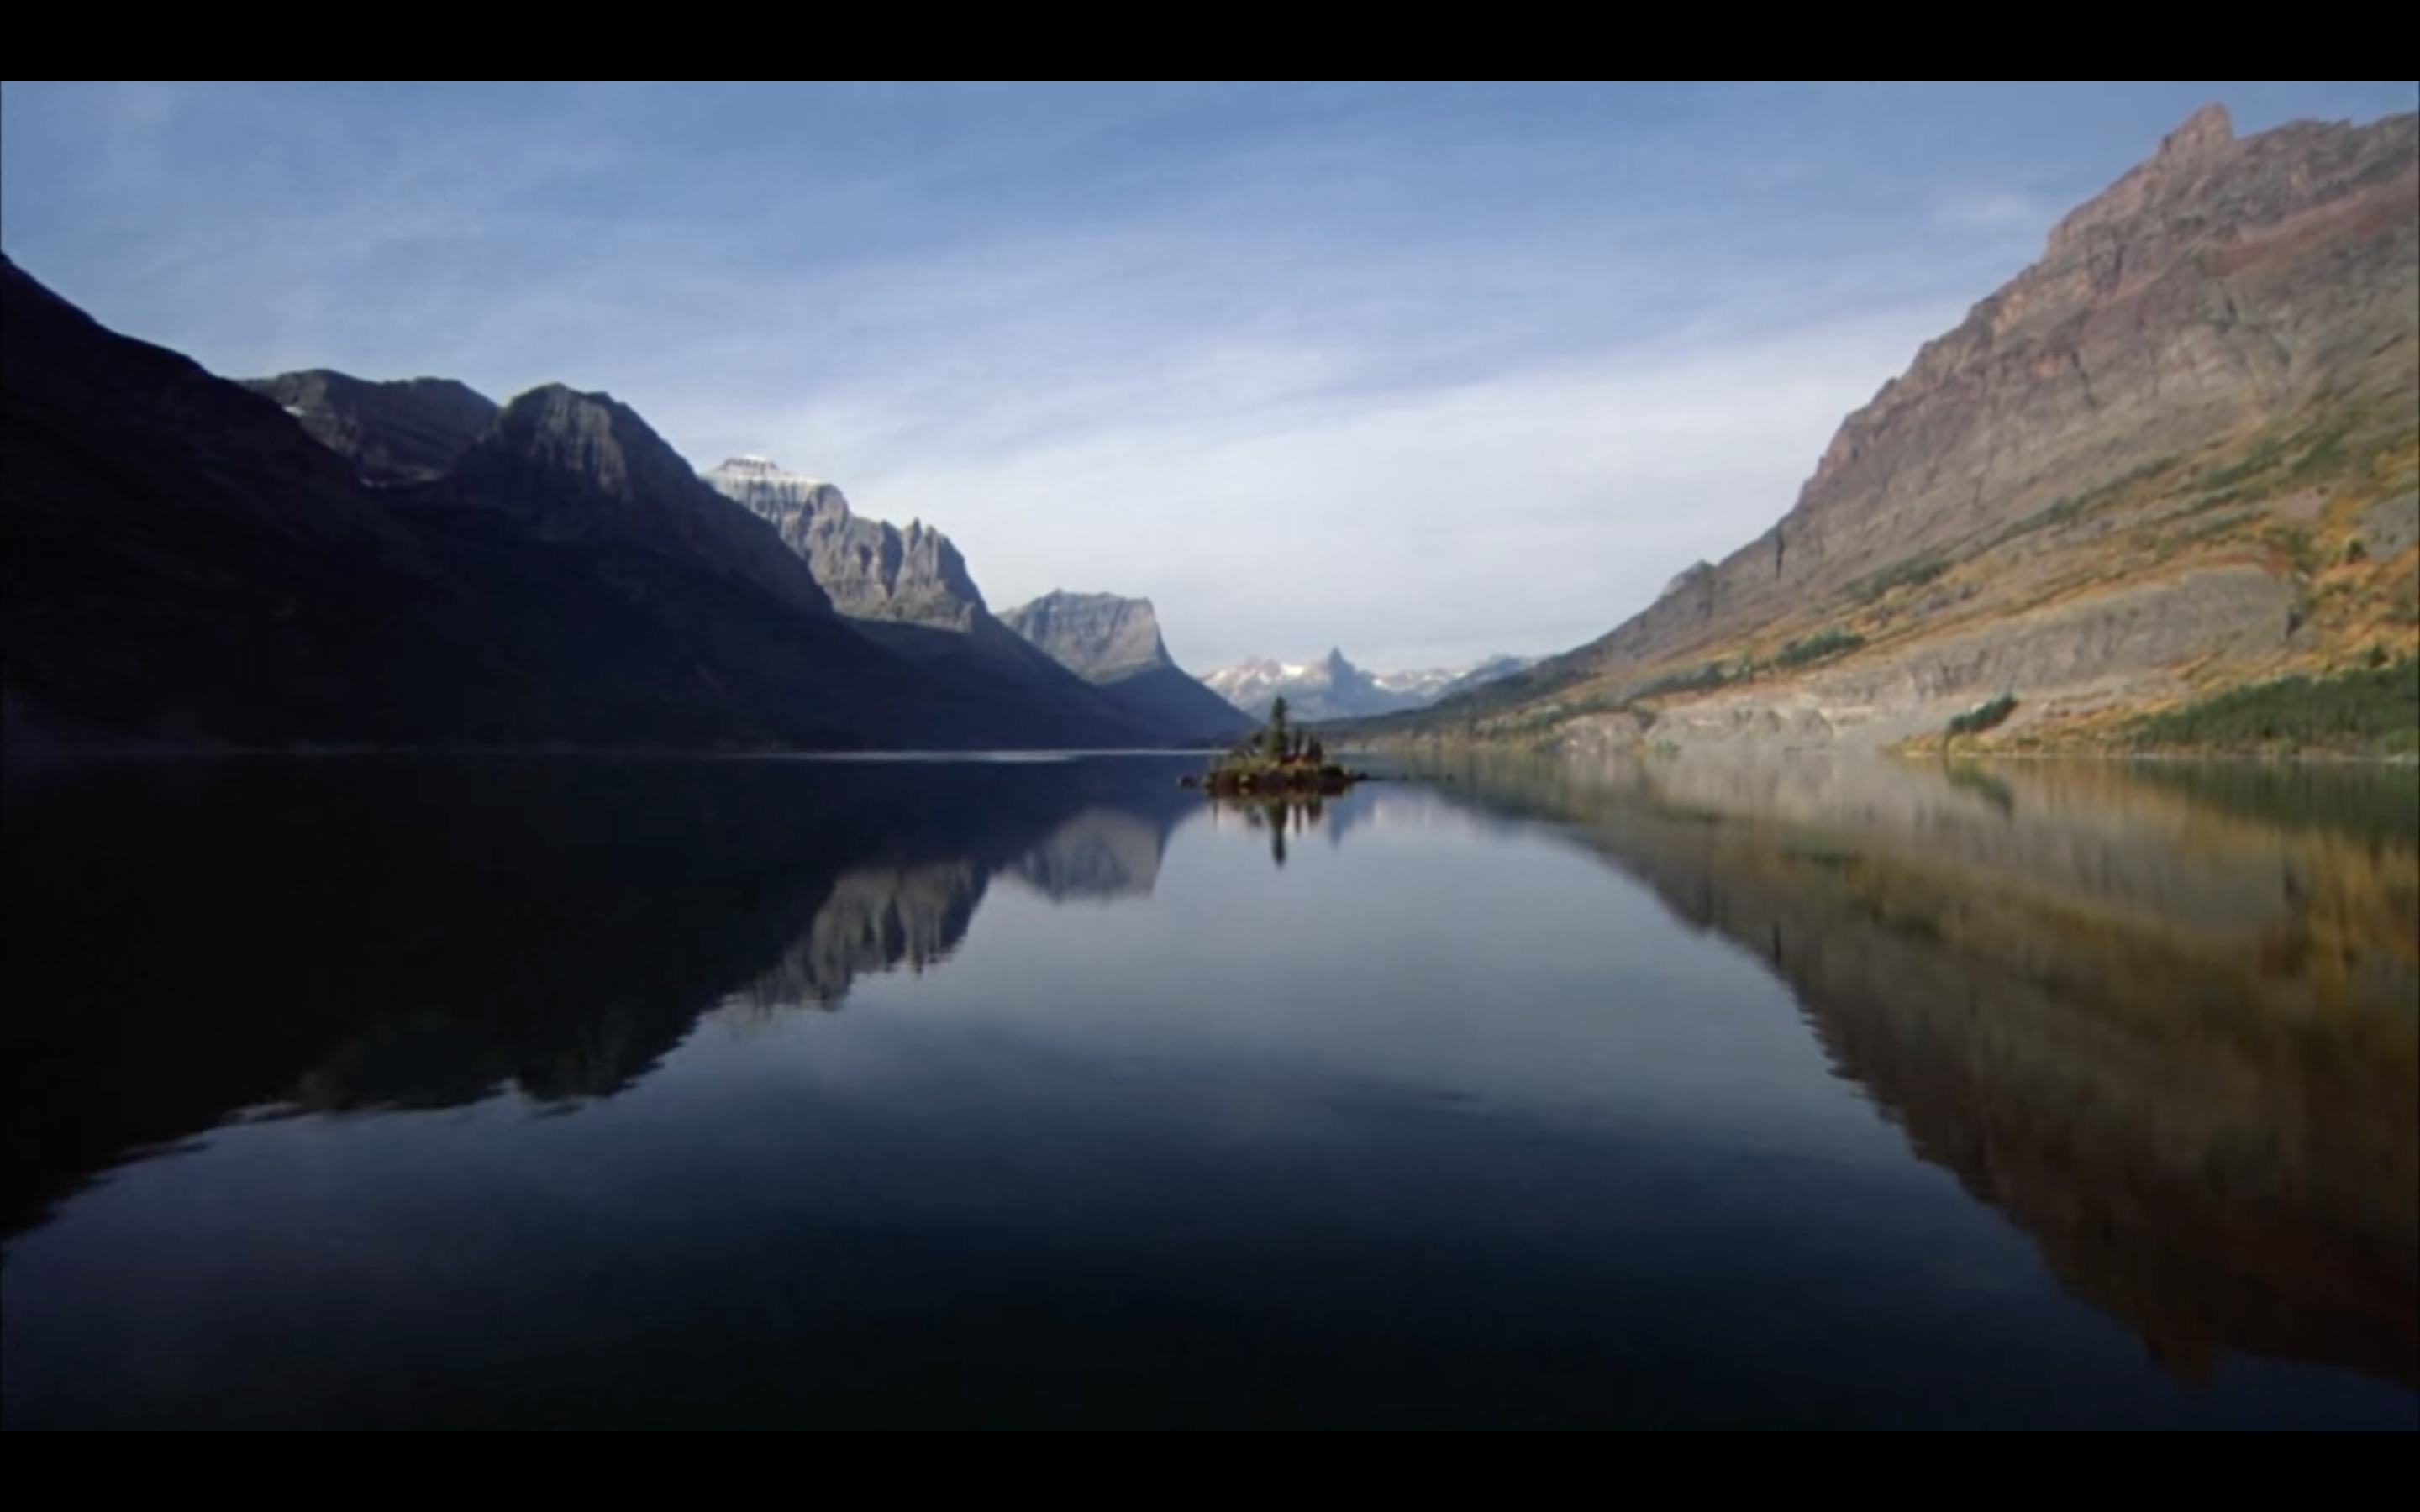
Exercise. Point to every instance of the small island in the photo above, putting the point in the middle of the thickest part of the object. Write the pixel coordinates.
(1275, 762)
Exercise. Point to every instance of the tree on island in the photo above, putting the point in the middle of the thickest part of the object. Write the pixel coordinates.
(1280, 759)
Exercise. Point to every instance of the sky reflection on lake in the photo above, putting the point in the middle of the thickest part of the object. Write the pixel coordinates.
(809, 1093)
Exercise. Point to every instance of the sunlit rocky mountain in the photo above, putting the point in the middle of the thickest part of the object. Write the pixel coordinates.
(910, 591)
(1114, 643)
(2176, 457)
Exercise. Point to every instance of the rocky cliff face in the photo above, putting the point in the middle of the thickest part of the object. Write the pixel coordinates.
(1114, 644)
(1094, 635)
(1098, 637)
(910, 591)
(871, 568)
(2212, 367)
(572, 467)
(406, 431)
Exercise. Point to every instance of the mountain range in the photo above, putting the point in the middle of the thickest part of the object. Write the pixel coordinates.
(316, 560)
(910, 591)
(1332, 687)
(2168, 472)
(2165, 478)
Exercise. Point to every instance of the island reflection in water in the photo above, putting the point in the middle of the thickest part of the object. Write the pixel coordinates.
(1492, 1101)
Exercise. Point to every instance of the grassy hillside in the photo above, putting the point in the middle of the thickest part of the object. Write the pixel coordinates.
(2327, 504)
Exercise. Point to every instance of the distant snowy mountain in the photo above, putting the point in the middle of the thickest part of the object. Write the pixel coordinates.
(1332, 687)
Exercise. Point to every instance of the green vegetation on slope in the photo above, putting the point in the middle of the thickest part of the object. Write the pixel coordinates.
(1821, 646)
(2369, 709)
(1913, 573)
(1983, 716)
(1704, 679)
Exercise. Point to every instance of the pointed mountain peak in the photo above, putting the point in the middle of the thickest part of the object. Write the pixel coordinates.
(592, 437)
(2136, 207)
(2203, 132)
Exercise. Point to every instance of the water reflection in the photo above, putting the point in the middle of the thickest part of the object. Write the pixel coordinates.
(1276, 817)
(352, 934)
(2162, 1018)
(1454, 1104)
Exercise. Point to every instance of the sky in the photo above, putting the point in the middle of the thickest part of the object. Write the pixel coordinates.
(1424, 372)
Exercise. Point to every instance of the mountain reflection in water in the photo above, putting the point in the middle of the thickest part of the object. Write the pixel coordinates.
(1375, 1107)
(2163, 1017)
(355, 933)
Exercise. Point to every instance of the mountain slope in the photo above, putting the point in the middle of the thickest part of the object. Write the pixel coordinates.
(2135, 474)
(179, 560)
(409, 430)
(1114, 643)
(566, 467)
(183, 563)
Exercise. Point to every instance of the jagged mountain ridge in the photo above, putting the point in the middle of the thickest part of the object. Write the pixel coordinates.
(2120, 480)
(644, 893)
(572, 467)
(406, 430)
(871, 570)
(910, 591)
(186, 564)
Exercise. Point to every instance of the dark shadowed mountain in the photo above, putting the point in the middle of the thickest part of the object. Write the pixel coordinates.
(185, 563)
(432, 931)
(582, 469)
(408, 430)
(182, 562)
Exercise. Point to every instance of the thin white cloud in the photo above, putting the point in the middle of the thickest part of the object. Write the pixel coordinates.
(1415, 526)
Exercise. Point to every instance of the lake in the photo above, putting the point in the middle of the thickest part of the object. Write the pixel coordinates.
(589, 1092)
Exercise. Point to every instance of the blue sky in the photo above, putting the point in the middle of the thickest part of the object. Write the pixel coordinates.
(1426, 372)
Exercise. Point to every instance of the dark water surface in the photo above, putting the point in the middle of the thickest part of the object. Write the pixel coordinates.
(405, 1092)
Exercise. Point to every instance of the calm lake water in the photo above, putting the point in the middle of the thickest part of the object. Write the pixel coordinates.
(584, 1092)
